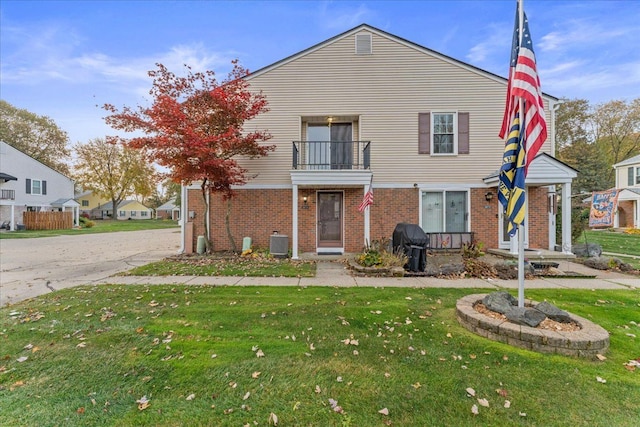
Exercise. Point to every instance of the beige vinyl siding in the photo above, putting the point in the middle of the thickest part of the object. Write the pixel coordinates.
(386, 91)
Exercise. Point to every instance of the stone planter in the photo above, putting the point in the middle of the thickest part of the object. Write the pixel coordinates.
(587, 342)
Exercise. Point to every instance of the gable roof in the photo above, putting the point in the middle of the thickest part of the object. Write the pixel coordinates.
(544, 170)
(4, 145)
(381, 33)
(109, 206)
(629, 161)
(167, 206)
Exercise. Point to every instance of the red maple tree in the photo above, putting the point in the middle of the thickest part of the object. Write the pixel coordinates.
(195, 128)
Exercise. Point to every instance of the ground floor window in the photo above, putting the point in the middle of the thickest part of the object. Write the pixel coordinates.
(121, 213)
(444, 211)
(144, 213)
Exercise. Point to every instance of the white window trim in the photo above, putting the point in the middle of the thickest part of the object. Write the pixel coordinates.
(455, 133)
(444, 196)
(33, 193)
(637, 177)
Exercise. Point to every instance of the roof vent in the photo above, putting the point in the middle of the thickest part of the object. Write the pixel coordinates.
(363, 44)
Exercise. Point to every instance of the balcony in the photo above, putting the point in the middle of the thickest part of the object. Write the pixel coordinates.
(331, 155)
(7, 194)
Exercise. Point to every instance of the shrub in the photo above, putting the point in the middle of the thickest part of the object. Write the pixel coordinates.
(472, 250)
(380, 254)
(85, 222)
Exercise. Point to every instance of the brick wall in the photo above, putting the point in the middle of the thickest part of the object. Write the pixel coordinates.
(390, 207)
(484, 217)
(258, 213)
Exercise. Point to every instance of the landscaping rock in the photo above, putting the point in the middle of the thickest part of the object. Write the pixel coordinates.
(553, 312)
(526, 316)
(587, 250)
(598, 263)
(500, 302)
(452, 269)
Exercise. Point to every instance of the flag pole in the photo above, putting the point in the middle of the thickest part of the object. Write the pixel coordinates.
(522, 127)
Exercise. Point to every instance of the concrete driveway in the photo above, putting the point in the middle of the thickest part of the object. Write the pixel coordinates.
(31, 267)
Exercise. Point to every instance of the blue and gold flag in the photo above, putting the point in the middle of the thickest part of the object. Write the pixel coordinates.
(511, 193)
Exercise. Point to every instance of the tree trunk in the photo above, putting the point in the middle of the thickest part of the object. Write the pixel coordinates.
(232, 242)
(205, 217)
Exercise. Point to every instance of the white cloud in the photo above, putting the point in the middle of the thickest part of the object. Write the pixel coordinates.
(339, 16)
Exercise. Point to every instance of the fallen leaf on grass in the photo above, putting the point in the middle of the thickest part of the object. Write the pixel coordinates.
(474, 410)
(143, 403)
(471, 392)
(502, 392)
(191, 396)
(601, 380)
(22, 359)
(507, 404)
(256, 374)
(318, 389)
(601, 357)
(246, 395)
(273, 419)
(82, 345)
(483, 402)
(80, 410)
(384, 411)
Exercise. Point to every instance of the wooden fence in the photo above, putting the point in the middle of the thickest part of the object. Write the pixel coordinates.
(48, 220)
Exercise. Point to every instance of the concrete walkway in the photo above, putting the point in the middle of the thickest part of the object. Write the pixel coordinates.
(329, 273)
(333, 273)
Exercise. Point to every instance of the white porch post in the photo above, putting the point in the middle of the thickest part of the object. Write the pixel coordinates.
(566, 218)
(551, 199)
(12, 226)
(294, 220)
(367, 220)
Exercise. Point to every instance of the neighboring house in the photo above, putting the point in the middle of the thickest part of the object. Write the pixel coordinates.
(168, 210)
(89, 201)
(628, 182)
(367, 109)
(127, 209)
(29, 185)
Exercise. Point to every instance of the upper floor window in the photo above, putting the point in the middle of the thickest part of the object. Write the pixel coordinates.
(85, 203)
(36, 186)
(444, 136)
(443, 133)
(633, 177)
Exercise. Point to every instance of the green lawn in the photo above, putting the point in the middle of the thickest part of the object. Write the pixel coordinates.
(616, 242)
(101, 226)
(258, 266)
(321, 356)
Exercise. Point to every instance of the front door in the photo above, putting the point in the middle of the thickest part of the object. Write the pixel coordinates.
(330, 224)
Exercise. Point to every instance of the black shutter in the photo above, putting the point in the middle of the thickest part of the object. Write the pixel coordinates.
(463, 133)
(28, 188)
(44, 188)
(424, 133)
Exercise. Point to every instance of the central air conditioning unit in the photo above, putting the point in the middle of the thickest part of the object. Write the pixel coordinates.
(279, 245)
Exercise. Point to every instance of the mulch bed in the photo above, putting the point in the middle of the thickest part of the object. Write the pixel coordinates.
(547, 324)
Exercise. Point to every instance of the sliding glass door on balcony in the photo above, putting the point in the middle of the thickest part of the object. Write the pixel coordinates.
(330, 147)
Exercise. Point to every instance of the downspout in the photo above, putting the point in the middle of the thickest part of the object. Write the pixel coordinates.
(183, 216)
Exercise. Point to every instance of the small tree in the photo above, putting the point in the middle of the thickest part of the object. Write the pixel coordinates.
(195, 128)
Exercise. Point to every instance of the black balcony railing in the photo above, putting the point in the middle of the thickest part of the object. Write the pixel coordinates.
(331, 155)
(7, 194)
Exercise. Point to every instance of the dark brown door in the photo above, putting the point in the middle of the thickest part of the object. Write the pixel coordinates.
(329, 220)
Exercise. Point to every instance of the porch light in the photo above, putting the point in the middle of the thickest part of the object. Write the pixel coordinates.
(329, 120)
(305, 205)
(488, 196)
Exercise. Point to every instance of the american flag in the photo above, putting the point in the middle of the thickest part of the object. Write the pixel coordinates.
(367, 200)
(524, 84)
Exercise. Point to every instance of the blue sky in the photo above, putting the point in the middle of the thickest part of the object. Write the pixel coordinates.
(63, 59)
